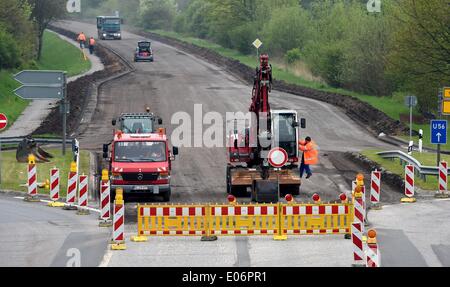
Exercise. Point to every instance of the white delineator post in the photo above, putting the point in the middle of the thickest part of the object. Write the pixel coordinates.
(409, 184)
(358, 248)
(375, 189)
(105, 191)
(71, 187)
(118, 240)
(83, 196)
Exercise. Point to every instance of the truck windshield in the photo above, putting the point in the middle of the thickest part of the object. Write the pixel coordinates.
(140, 151)
(285, 133)
(137, 125)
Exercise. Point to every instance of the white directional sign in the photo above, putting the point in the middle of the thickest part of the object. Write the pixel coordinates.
(257, 43)
(40, 92)
(30, 77)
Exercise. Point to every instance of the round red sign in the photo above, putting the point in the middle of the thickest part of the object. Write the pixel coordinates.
(278, 157)
(3, 121)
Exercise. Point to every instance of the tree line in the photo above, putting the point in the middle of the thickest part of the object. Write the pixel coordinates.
(404, 48)
(22, 25)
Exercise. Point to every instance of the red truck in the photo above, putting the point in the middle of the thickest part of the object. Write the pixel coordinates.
(141, 164)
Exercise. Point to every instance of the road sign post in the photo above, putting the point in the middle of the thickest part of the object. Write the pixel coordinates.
(438, 135)
(41, 85)
(3, 124)
(257, 43)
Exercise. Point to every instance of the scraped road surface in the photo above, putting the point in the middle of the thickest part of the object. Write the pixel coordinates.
(176, 81)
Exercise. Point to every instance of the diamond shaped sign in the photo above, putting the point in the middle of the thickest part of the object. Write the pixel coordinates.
(257, 43)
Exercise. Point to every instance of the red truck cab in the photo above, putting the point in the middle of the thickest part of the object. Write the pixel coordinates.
(141, 163)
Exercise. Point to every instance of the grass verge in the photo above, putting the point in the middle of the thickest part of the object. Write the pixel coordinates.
(14, 174)
(394, 166)
(393, 106)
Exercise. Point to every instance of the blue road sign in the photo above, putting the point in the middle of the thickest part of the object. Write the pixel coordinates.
(438, 132)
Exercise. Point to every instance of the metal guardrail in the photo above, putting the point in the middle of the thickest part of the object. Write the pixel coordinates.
(17, 140)
(421, 169)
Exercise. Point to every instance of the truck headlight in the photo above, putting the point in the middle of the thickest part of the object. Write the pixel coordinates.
(163, 175)
(104, 34)
(116, 176)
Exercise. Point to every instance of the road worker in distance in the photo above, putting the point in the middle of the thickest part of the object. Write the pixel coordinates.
(91, 45)
(309, 156)
(82, 40)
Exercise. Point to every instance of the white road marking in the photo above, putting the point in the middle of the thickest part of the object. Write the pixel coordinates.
(106, 259)
(48, 201)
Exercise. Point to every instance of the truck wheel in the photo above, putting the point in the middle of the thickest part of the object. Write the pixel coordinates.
(166, 196)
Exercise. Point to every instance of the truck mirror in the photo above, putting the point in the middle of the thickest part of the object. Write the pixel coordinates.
(160, 121)
(303, 123)
(295, 124)
(175, 150)
(114, 122)
(105, 155)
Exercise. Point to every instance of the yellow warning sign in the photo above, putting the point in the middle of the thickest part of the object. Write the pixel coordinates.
(447, 93)
(446, 107)
(257, 43)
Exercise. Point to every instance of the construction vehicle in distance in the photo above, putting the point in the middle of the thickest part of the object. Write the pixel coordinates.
(141, 164)
(137, 123)
(263, 154)
(108, 27)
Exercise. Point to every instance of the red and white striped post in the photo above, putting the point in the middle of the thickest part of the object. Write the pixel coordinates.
(54, 188)
(105, 208)
(358, 247)
(118, 240)
(443, 171)
(375, 189)
(372, 252)
(83, 196)
(31, 180)
(71, 187)
(409, 184)
(358, 203)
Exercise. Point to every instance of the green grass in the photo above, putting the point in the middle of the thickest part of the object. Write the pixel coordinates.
(58, 54)
(14, 174)
(11, 105)
(394, 166)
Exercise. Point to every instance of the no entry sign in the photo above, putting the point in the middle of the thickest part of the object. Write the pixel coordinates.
(278, 157)
(3, 121)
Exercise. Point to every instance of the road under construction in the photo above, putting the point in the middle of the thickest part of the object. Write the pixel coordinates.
(177, 81)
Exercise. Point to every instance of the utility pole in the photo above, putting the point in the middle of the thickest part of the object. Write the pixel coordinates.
(64, 114)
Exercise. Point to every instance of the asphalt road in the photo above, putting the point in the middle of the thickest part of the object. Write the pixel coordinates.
(176, 82)
(34, 235)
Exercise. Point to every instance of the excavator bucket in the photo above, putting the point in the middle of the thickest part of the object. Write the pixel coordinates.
(265, 191)
(29, 146)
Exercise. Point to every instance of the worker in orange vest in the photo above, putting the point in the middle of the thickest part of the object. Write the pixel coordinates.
(309, 157)
(91, 45)
(82, 40)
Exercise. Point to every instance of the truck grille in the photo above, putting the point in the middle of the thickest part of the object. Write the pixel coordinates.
(136, 176)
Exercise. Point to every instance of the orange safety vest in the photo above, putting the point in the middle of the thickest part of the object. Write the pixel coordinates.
(92, 42)
(310, 152)
(81, 37)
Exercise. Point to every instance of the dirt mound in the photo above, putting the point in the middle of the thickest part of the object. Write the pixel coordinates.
(369, 117)
(79, 91)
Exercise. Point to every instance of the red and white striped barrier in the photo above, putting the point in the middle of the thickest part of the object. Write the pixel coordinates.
(105, 209)
(72, 187)
(372, 252)
(83, 195)
(54, 184)
(118, 239)
(32, 179)
(174, 211)
(409, 184)
(443, 177)
(375, 189)
(360, 212)
(358, 247)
